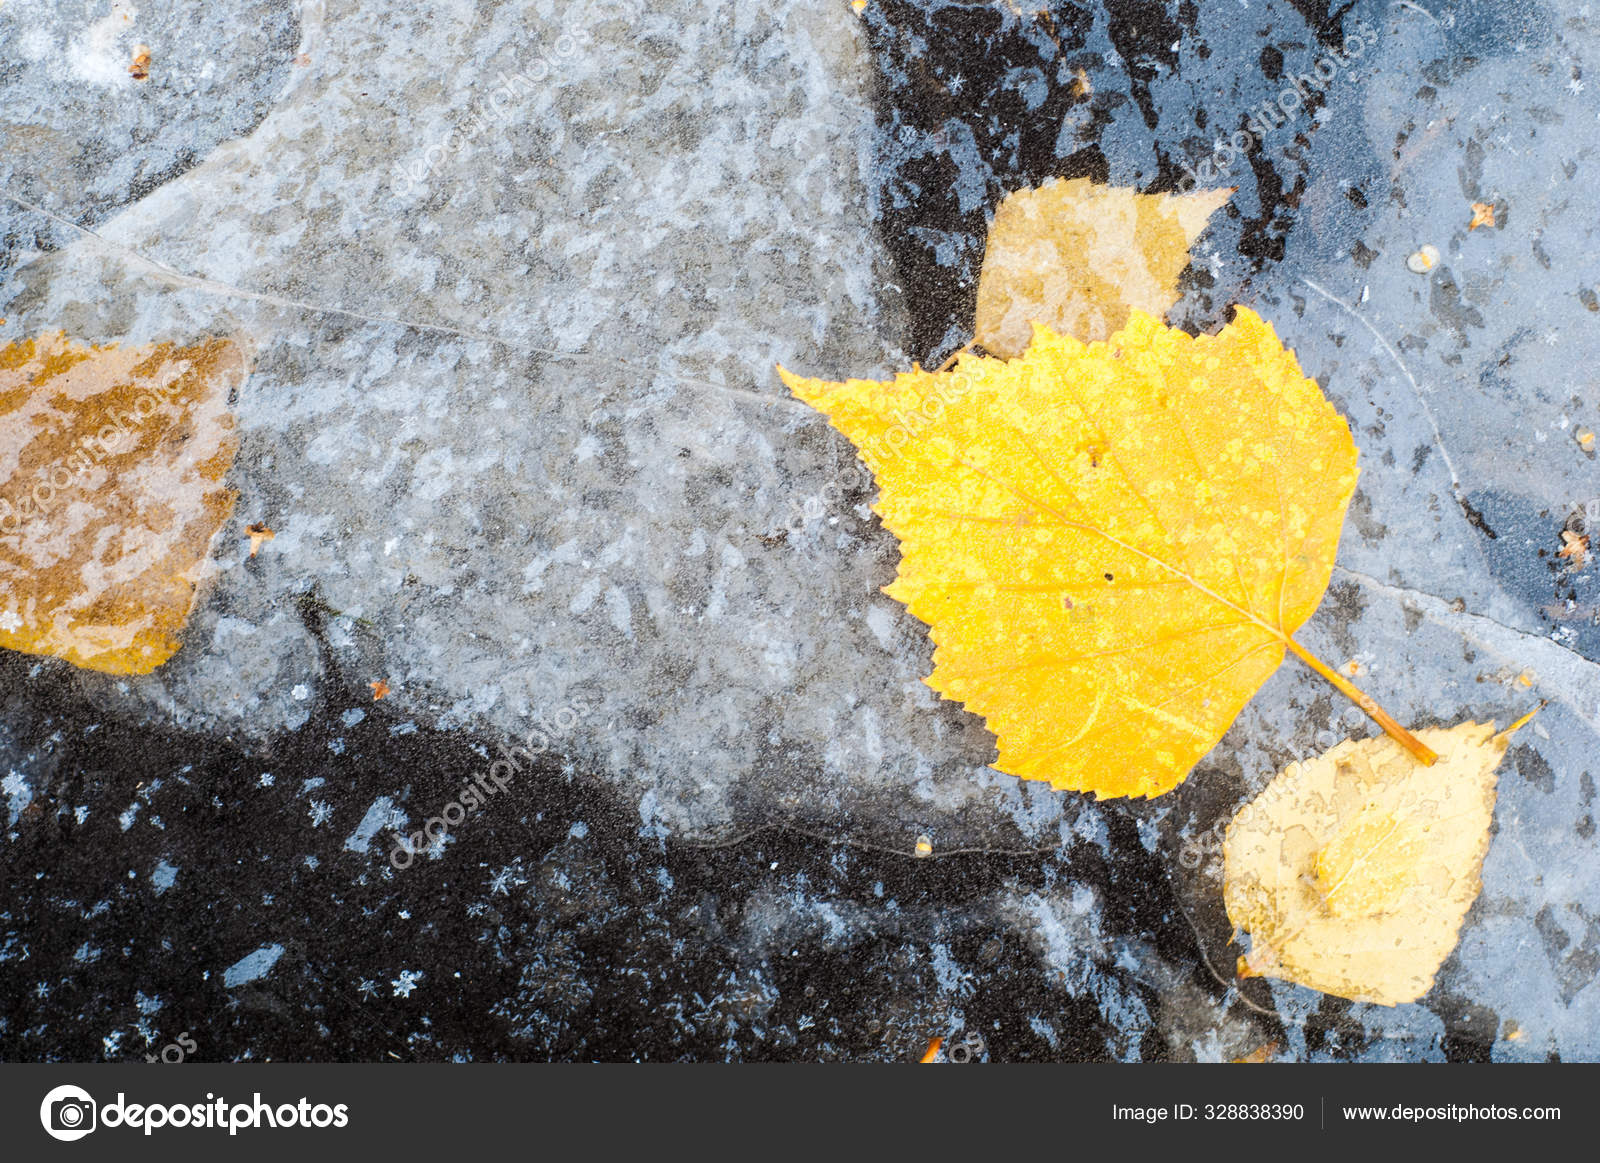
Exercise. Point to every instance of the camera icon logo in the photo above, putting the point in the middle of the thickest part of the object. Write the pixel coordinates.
(68, 1113)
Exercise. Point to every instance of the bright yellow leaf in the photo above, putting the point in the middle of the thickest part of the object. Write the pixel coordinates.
(1079, 257)
(1112, 543)
(1353, 871)
(112, 463)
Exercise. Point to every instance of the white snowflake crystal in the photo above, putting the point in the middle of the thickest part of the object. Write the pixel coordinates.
(320, 813)
(505, 880)
(9, 621)
(406, 982)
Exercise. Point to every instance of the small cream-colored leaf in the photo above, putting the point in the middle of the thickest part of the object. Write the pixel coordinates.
(1353, 871)
(1080, 257)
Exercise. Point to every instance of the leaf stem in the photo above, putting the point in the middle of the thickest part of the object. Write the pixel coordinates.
(1424, 754)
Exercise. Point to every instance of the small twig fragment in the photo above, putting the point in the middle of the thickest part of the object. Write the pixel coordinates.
(1575, 549)
(259, 535)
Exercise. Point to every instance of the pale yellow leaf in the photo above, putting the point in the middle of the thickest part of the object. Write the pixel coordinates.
(1079, 257)
(1353, 870)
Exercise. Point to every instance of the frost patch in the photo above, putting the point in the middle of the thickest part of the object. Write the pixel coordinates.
(251, 966)
(18, 795)
(94, 54)
(164, 876)
(378, 815)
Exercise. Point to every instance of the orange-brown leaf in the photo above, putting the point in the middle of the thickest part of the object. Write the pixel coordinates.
(112, 463)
